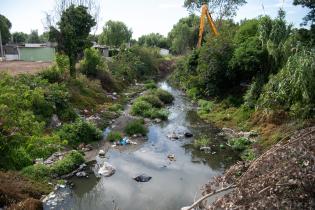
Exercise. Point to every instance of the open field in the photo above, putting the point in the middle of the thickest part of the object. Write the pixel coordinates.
(19, 67)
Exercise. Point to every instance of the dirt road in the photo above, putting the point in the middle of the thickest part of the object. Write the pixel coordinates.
(20, 67)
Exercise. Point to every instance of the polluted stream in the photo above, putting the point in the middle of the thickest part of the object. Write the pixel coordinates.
(174, 184)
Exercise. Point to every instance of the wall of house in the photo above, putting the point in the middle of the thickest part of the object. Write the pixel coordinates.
(37, 53)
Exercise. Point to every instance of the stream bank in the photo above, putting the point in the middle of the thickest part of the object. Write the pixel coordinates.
(174, 183)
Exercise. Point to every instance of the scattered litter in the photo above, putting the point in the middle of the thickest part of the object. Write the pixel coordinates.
(81, 174)
(124, 141)
(157, 120)
(142, 178)
(101, 153)
(173, 136)
(171, 157)
(106, 170)
(205, 149)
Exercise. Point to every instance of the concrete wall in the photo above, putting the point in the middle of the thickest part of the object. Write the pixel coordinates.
(37, 53)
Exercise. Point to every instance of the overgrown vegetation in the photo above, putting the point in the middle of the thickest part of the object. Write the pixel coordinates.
(135, 127)
(151, 105)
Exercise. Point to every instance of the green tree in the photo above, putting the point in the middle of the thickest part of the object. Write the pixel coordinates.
(5, 26)
(153, 40)
(184, 35)
(74, 27)
(115, 33)
(19, 37)
(221, 8)
(310, 17)
(33, 37)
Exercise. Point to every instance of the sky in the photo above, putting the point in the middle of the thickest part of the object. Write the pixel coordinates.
(142, 16)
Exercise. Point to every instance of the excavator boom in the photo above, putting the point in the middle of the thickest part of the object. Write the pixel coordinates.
(205, 14)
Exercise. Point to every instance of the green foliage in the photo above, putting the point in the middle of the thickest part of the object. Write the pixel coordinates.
(115, 33)
(114, 136)
(19, 37)
(135, 127)
(79, 132)
(139, 107)
(33, 37)
(115, 108)
(91, 62)
(151, 99)
(156, 113)
(150, 85)
(239, 144)
(153, 40)
(37, 172)
(224, 8)
(248, 154)
(201, 141)
(74, 28)
(164, 96)
(57, 72)
(310, 17)
(204, 106)
(61, 167)
(5, 26)
(293, 87)
(136, 63)
(69, 163)
(184, 35)
(43, 147)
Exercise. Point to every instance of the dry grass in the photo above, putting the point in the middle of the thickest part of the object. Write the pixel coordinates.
(20, 67)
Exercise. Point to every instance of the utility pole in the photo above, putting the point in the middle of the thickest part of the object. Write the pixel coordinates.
(1, 47)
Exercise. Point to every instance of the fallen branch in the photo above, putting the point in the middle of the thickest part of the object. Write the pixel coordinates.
(207, 196)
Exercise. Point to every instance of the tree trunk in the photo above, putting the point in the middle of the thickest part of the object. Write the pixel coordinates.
(72, 66)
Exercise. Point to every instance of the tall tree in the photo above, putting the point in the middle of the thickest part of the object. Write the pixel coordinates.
(5, 26)
(220, 8)
(310, 17)
(153, 40)
(74, 27)
(33, 37)
(115, 33)
(19, 37)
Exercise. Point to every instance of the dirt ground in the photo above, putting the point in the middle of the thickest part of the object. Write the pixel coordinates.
(19, 67)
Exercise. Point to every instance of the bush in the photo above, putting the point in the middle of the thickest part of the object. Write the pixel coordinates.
(114, 136)
(139, 107)
(43, 147)
(201, 142)
(135, 127)
(150, 85)
(115, 108)
(69, 163)
(239, 144)
(79, 132)
(91, 62)
(152, 99)
(156, 113)
(164, 96)
(204, 106)
(37, 172)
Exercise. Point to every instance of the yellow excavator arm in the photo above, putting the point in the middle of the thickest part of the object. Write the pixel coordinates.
(205, 13)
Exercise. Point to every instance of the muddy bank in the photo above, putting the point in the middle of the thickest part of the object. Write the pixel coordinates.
(281, 178)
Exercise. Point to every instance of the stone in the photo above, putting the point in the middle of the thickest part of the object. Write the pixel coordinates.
(142, 178)
(106, 170)
(171, 157)
(205, 149)
(101, 153)
(54, 122)
(188, 135)
(81, 174)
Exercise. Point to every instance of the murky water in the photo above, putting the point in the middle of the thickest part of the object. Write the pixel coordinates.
(173, 185)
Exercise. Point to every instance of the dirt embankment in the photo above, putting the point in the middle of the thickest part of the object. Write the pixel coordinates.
(281, 178)
(20, 67)
(20, 191)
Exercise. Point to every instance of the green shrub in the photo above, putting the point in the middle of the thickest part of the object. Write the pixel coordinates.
(37, 172)
(152, 99)
(193, 93)
(135, 127)
(92, 60)
(79, 132)
(164, 96)
(139, 107)
(150, 85)
(201, 141)
(239, 144)
(114, 136)
(43, 147)
(156, 113)
(115, 108)
(204, 106)
(248, 154)
(69, 163)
